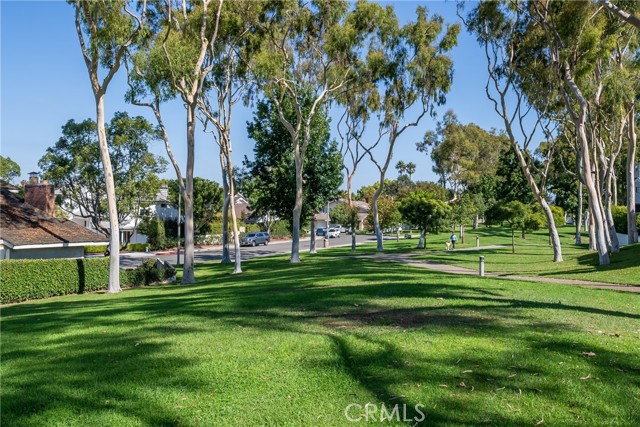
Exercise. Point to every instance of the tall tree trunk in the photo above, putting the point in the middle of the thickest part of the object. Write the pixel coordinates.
(421, 241)
(226, 255)
(114, 237)
(513, 240)
(297, 208)
(475, 222)
(237, 255)
(188, 273)
(312, 241)
(376, 217)
(354, 221)
(592, 232)
(614, 192)
(579, 216)
(595, 206)
(632, 227)
(615, 243)
(542, 201)
(462, 233)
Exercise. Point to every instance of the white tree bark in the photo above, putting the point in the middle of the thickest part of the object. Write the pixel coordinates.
(226, 256)
(312, 241)
(114, 238)
(188, 272)
(632, 227)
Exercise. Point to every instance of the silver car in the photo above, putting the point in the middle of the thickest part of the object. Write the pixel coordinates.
(333, 233)
(253, 239)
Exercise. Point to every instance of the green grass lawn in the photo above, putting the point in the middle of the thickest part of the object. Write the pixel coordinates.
(534, 257)
(293, 345)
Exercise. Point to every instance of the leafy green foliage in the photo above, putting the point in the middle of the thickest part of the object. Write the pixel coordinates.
(462, 154)
(207, 202)
(425, 212)
(345, 215)
(388, 213)
(620, 219)
(137, 247)
(97, 249)
(269, 179)
(74, 166)
(29, 279)
(9, 170)
(153, 227)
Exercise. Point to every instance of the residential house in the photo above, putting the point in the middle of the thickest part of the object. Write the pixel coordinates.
(363, 212)
(29, 229)
(160, 206)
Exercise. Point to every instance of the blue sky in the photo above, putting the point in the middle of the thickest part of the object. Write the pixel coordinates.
(44, 83)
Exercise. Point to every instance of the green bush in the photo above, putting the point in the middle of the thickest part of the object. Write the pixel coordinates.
(137, 247)
(620, 218)
(280, 229)
(147, 273)
(154, 229)
(98, 249)
(27, 279)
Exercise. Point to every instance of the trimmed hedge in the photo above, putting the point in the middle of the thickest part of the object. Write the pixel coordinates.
(137, 247)
(100, 249)
(27, 279)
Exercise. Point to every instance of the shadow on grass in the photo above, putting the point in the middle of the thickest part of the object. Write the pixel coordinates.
(362, 307)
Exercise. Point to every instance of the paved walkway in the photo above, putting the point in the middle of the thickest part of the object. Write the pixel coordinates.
(408, 259)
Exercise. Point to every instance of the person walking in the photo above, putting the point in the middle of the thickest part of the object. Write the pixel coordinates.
(454, 239)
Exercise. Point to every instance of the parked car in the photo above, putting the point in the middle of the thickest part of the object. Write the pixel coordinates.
(333, 232)
(321, 231)
(253, 239)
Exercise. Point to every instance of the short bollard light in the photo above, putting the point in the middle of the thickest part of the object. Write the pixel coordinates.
(477, 241)
(482, 266)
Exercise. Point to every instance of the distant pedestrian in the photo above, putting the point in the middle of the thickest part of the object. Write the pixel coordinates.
(454, 239)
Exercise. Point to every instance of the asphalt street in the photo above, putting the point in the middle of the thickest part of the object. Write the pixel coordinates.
(132, 259)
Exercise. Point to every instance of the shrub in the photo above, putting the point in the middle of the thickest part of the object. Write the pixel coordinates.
(280, 229)
(137, 247)
(208, 239)
(27, 279)
(148, 273)
(619, 214)
(98, 249)
(154, 229)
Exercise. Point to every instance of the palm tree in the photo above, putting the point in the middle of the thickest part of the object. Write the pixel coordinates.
(410, 169)
(401, 167)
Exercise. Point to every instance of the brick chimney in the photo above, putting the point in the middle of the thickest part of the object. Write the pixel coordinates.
(40, 194)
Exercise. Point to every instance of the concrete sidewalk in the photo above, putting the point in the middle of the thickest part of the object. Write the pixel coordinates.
(452, 269)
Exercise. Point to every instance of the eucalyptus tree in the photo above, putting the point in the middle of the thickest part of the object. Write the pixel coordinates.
(628, 15)
(225, 86)
(308, 48)
(182, 40)
(359, 100)
(105, 30)
(462, 153)
(414, 75)
(522, 102)
(576, 53)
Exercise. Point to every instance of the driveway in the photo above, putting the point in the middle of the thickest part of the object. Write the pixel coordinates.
(132, 259)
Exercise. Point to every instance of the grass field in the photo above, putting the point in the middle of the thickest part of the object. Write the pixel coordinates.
(533, 257)
(294, 345)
